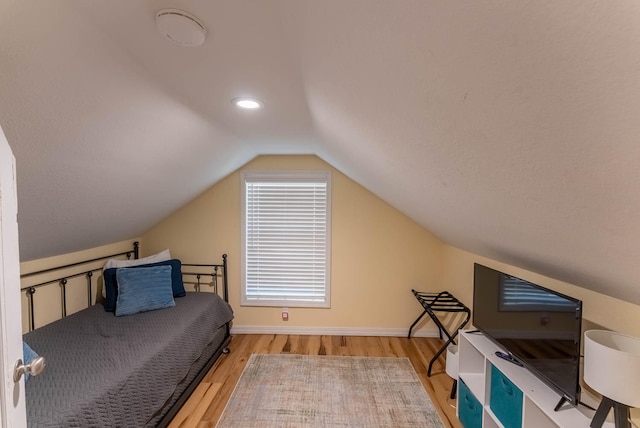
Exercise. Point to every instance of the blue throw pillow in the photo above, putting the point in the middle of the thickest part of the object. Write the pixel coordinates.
(142, 289)
(28, 355)
(111, 282)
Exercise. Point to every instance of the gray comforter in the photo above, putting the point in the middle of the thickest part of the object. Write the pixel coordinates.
(107, 371)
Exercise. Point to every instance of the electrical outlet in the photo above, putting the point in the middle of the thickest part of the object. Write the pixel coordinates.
(285, 314)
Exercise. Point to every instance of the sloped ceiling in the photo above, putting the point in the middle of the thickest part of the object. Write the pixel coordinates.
(508, 129)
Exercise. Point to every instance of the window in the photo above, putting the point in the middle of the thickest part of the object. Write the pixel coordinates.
(285, 238)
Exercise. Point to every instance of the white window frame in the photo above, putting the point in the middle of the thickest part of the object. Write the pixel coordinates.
(294, 177)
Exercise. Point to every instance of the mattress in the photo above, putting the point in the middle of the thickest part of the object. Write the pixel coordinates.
(107, 371)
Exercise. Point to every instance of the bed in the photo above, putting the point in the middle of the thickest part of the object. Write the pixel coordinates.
(131, 370)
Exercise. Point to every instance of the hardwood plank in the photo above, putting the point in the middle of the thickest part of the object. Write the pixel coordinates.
(326, 345)
(195, 409)
(311, 345)
(339, 344)
(189, 407)
(204, 407)
(439, 384)
(427, 349)
(263, 344)
(278, 343)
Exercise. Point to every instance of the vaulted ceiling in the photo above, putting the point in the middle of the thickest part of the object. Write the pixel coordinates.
(508, 129)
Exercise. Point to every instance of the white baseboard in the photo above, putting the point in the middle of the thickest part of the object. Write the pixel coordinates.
(331, 331)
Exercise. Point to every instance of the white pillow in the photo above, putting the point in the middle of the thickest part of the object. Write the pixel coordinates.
(115, 263)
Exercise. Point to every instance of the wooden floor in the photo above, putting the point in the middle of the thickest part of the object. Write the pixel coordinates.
(206, 404)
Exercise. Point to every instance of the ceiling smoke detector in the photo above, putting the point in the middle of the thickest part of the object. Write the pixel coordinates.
(180, 27)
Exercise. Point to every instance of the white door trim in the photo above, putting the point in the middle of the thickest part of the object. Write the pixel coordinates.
(12, 400)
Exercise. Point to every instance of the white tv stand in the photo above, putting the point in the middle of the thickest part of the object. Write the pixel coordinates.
(529, 405)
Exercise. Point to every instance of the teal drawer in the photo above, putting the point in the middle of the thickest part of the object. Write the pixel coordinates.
(469, 408)
(505, 400)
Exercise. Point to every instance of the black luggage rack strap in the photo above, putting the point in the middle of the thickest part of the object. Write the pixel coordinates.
(440, 302)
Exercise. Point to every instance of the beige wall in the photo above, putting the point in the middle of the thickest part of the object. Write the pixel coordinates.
(377, 253)
(598, 310)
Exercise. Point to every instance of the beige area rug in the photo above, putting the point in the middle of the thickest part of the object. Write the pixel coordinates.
(328, 391)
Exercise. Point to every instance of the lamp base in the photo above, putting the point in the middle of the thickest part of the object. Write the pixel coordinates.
(621, 413)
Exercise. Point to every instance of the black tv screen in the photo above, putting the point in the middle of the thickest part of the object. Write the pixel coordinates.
(538, 327)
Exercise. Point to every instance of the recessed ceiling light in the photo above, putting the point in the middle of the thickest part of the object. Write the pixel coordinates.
(248, 103)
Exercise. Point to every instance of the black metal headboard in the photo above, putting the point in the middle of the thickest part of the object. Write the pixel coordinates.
(196, 271)
(30, 290)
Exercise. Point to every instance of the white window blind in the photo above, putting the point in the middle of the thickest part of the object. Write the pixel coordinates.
(286, 238)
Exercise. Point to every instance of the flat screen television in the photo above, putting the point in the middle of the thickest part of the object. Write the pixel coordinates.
(537, 327)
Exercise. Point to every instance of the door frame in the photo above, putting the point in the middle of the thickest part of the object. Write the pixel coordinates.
(12, 396)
